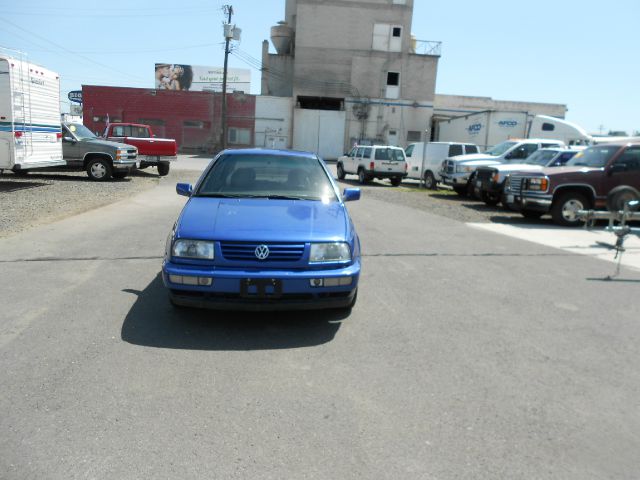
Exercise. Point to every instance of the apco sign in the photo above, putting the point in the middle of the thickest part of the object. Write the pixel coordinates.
(75, 96)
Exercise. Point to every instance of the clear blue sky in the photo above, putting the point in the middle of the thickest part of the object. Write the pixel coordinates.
(584, 54)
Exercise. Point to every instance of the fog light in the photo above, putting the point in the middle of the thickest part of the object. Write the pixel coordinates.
(316, 282)
(337, 281)
(189, 280)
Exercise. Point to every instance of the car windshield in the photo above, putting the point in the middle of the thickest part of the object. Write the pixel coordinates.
(500, 149)
(80, 131)
(541, 157)
(263, 175)
(594, 157)
(393, 154)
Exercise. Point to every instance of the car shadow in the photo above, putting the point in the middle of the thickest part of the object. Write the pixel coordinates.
(9, 186)
(154, 322)
(372, 183)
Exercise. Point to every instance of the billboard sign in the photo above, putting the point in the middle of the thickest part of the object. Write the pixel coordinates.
(75, 96)
(196, 78)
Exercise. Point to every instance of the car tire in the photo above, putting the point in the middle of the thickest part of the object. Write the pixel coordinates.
(462, 191)
(491, 199)
(340, 170)
(396, 181)
(429, 181)
(163, 169)
(619, 196)
(119, 174)
(363, 179)
(563, 210)
(531, 214)
(99, 170)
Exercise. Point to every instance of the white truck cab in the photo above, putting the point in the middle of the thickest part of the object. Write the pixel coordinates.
(374, 161)
(458, 171)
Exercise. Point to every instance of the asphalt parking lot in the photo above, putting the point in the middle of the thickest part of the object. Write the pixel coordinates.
(470, 354)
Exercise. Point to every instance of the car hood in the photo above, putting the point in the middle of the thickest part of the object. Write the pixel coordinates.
(516, 167)
(472, 157)
(561, 172)
(262, 220)
(106, 143)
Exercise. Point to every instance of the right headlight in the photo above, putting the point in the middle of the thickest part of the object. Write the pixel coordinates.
(198, 249)
(464, 169)
(329, 252)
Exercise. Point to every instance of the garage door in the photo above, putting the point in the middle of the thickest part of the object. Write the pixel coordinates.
(320, 131)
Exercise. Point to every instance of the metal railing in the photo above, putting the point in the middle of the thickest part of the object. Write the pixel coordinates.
(427, 47)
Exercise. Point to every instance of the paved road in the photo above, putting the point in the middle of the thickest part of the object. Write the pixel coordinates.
(470, 354)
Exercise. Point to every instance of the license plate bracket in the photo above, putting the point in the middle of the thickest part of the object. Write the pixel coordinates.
(265, 288)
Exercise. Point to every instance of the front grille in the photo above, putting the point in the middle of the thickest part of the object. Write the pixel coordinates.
(246, 251)
(515, 184)
(450, 166)
(484, 174)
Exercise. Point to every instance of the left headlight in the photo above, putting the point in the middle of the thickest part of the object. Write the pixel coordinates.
(329, 252)
(193, 249)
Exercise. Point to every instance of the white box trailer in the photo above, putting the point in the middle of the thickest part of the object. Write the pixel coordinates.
(490, 128)
(485, 129)
(30, 131)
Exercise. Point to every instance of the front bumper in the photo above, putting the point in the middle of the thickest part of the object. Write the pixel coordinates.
(538, 203)
(257, 290)
(455, 179)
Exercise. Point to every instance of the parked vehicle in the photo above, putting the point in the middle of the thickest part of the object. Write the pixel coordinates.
(100, 158)
(490, 128)
(425, 163)
(582, 184)
(30, 134)
(152, 151)
(459, 172)
(263, 230)
(376, 161)
(489, 181)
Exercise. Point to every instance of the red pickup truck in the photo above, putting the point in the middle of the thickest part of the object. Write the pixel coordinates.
(152, 151)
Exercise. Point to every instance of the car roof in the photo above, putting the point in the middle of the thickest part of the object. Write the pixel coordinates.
(269, 151)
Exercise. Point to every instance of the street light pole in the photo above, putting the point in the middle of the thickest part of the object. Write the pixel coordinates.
(228, 35)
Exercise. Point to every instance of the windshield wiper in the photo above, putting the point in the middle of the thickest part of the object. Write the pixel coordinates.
(221, 195)
(284, 197)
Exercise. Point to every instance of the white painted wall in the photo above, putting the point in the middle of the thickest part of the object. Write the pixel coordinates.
(319, 131)
(273, 125)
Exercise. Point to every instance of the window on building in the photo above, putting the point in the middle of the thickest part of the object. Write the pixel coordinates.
(239, 136)
(399, 2)
(548, 127)
(193, 124)
(413, 136)
(393, 79)
(396, 32)
(154, 122)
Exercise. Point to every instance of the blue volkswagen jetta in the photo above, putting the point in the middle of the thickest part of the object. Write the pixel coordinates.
(263, 229)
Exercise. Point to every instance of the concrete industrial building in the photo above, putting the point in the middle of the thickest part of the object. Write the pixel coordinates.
(355, 73)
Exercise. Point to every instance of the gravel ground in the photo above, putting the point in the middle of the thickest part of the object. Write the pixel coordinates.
(443, 201)
(44, 197)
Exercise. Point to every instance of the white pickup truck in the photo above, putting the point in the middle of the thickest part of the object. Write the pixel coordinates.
(376, 161)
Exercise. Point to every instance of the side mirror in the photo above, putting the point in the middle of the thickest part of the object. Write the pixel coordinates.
(184, 189)
(68, 139)
(351, 194)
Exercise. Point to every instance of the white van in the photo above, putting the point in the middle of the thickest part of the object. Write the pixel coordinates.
(433, 156)
(30, 132)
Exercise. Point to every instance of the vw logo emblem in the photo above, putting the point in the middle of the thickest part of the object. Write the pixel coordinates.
(262, 252)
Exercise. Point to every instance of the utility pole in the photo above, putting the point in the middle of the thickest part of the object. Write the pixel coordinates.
(228, 35)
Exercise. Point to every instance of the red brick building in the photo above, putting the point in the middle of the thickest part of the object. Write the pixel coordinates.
(193, 119)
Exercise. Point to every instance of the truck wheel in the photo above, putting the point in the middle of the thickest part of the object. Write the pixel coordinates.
(619, 196)
(462, 191)
(341, 173)
(362, 177)
(565, 208)
(532, 214)
(429, 181)
(163, 168)
(491, 199)
(396, 181)
(99, 170)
